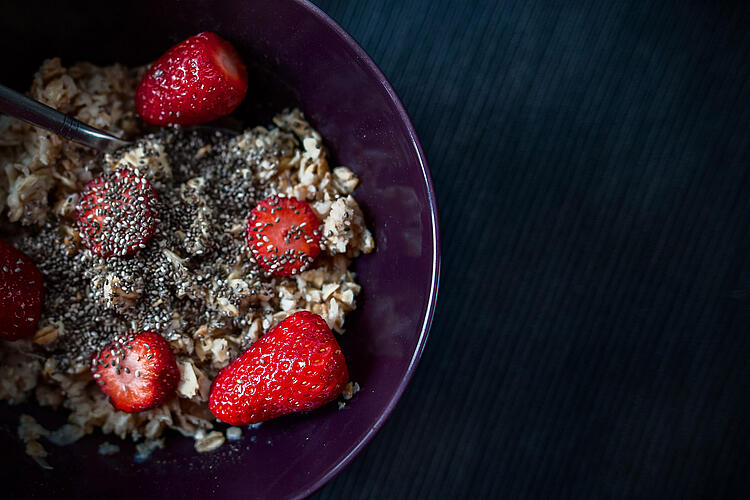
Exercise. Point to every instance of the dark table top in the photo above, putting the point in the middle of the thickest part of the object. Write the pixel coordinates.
(591, 163)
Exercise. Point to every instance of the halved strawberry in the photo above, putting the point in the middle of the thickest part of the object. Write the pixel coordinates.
(198, 80)
(117, 213)
(283, 235)
(21, 294)
(137, 372)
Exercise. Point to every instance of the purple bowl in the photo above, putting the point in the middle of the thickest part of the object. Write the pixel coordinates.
(296, 55)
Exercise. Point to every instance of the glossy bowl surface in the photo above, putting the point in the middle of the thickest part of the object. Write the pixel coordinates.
(296, 56)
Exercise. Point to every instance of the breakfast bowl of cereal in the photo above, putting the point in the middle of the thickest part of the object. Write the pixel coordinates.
(235, 301)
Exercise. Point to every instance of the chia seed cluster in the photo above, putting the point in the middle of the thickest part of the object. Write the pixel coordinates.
(196, 269)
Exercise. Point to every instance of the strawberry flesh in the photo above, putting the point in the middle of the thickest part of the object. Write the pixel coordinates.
(137, 372)
(198, 80)
(283, 235)
(297, 366)
(117, 213)
(21, 294)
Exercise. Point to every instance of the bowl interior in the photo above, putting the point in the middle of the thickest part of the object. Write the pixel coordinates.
(296, 57)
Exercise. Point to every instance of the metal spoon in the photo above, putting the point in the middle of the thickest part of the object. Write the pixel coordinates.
(34, 112)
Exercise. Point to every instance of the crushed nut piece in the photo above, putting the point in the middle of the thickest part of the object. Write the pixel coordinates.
(209, 442)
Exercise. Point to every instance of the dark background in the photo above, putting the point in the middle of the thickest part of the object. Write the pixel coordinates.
(591, 166)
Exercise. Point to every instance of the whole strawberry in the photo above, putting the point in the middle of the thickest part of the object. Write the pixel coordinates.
(283, 235)
(297, 366)
(117, 213)
(137, 372)
(21, 294)
(198, 80)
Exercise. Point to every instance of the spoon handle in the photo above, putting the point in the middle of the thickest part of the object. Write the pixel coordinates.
(34, 112)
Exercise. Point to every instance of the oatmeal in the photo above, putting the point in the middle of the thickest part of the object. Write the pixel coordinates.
(195, 281)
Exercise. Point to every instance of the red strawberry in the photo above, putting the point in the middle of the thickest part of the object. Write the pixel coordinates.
(198, 80)
(21, 294)
(137, 372)
(297, 366)
(117, 213)
(283, 235)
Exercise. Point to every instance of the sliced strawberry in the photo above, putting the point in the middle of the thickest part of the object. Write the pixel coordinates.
(21, 294)
(283, 235)
(137, 372)
(297, 366)
(117, 213)
(198, 80)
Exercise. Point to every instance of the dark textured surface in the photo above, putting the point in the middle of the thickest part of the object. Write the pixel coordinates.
(591, 165)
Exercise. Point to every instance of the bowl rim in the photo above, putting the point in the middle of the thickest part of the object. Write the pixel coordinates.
(364, 60)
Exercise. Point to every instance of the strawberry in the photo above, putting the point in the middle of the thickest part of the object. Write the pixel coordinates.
(283, 235)
(297, 366)
(21, 294)
(137, 372)
(198, 80)
(117, 213)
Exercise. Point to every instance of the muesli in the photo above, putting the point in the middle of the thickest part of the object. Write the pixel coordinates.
(196, 280)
